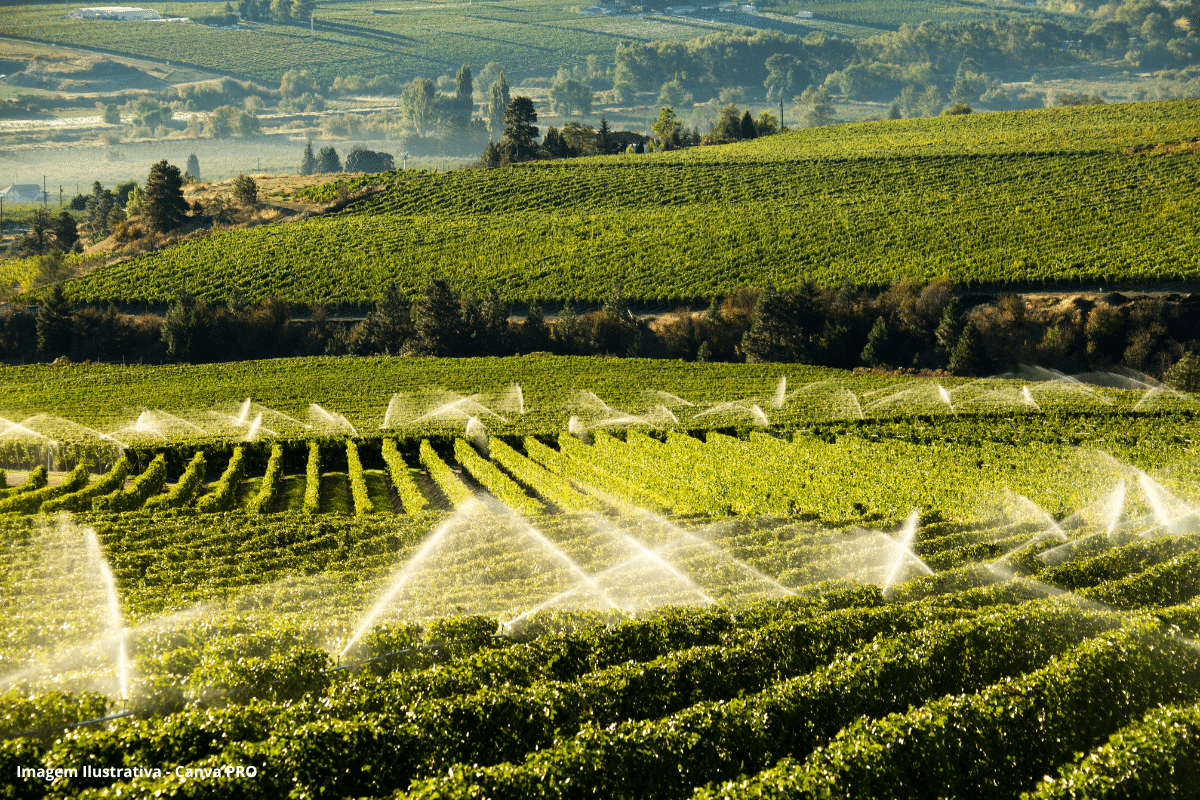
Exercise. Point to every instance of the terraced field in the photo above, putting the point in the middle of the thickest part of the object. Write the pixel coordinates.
(1044, 197)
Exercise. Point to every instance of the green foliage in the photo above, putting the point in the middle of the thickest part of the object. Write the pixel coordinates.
(134, 496)
(411, 498)
(312, 479)
(221, 495)
(452, 487)
(494, 480)
(358, 483)
(164, 208)
(182, 493)
(29, 502)
(264, 501)
(778, 208)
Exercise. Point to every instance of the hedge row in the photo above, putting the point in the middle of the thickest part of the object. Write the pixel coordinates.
(312, 482)
(504, 488)
(221, 495)
(455, 490)
(670, 756)
(406, 488)
(137, 493)
(268, 490)
(185, 488)
(552, 487)
(30, 502)
(358, 481)
(37, 479)
(83, 499)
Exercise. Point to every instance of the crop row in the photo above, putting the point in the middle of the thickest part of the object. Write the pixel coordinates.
(1085, 218)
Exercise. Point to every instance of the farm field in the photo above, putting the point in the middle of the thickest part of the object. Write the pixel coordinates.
(603, 576)
(415, 38)
(1041, 197)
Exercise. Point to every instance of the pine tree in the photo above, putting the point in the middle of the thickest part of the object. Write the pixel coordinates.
(66, 232)
(603, 135)
(519, 130)
(54, 323)
(949, 329)
(497, 104)
(163, 203)
(566, 334)
(535, 334)
(967, 358)
(328, 161)
(389, 327)
(437, 322)
(99, 204)
(748, 130)
(779, 327)
(493, 326)
(878, 349)
(491, 155)
(464, 89)
(193, 166)
(308, 162)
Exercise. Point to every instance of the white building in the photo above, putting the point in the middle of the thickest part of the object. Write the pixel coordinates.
(804, 14)
(22, 193)
(116, 12)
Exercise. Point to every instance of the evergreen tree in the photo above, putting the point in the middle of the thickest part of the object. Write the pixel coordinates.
(308, 162)
(437, 321)
(554, 145)
(781, 326)
(37, 240)
(193, 166)
(491, 155)
(567, 336)
(967, 358)
(99, 204)
(604, 136)
(616, 331)
(519, 130)
(185, 329)
(54, 323)
(389, 327)
(748, 130)
(328, 161)
(535, 334)
(493, 326)
(245, 190)
(66, 232)
(163, 203)
(112, 335)
(497, 106)
(878, 348)
(464, 89)
(949, 329)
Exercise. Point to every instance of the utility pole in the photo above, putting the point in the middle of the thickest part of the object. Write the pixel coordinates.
(45, 194)
(781, 109)
(60, 202)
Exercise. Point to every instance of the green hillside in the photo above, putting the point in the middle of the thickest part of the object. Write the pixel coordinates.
(414, 38)
(1035, 196)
